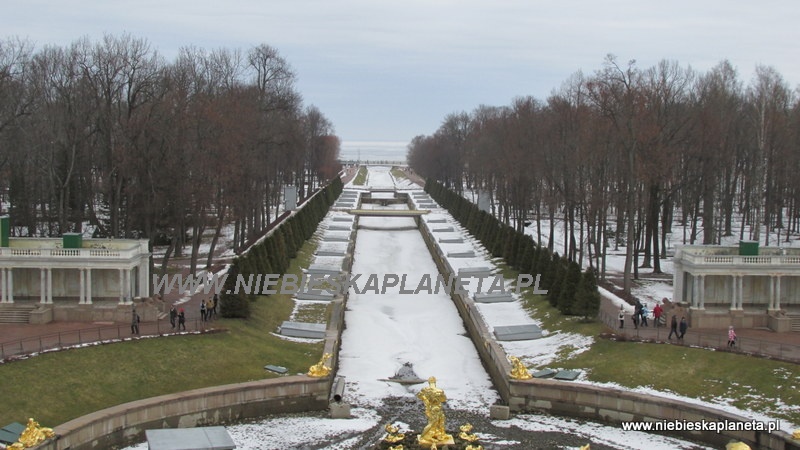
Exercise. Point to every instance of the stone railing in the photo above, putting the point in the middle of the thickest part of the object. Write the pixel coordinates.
(67, 253)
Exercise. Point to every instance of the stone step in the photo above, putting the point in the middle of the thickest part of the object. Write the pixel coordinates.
(16, 314)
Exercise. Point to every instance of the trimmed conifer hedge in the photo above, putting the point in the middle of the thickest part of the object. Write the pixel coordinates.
(272, 254)
(569, 289)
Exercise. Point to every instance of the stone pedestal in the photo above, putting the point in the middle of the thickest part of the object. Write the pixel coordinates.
(340, 410)
(499, 412)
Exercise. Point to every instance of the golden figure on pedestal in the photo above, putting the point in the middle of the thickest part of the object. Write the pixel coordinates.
(434, 433)
(393, 434)
(518, 370)
(32, 435)
(319, 369)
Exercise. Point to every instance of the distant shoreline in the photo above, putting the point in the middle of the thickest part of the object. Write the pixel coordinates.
(374, 150)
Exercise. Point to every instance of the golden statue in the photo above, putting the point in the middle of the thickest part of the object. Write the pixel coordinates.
(518, 370)
(434, 433)
(585, 447)
(465, 433)
(393, 434)
(737, 446)
(473, 447)
(796, 434)
(32, 435)
(396, 447)
(319, 369)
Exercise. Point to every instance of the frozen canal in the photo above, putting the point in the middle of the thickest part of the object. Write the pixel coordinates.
(385, 331)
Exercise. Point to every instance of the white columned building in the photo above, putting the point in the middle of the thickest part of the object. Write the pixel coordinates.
(743, 286)
(69, 272)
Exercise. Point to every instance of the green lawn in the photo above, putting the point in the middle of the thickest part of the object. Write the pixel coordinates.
(361, 176)
(57, 387)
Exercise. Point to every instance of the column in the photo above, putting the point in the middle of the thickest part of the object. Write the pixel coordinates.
(734, 288)
(695, 290)
(82, 298)
(678, 279)
(771, 301)
(777, 304)
(49, 285)
(702, 298)
(42, 285)
(2, 285)
(10, 281)
(88, 299)
(121, 286)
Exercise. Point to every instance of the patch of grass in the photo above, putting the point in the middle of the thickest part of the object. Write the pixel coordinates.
(57, 387)
(398, 173)
(361, 176)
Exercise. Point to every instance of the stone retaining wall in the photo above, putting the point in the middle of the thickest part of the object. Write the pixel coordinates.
(125, 424)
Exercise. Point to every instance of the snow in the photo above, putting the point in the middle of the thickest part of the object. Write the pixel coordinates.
(424, 330)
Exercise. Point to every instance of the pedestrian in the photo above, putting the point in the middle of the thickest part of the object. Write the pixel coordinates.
(134, 322)
(203, 310)
(214, 303)
(645, 312)
(673, 327)
(173, 316)
(731, 337)
(635, 320)
(181, 320)
(621, 318)
(683, 326)
(657, 314)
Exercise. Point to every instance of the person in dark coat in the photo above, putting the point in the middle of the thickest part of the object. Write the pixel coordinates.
(134, 322)
(203, 310)
(683, 326)
(621, 317)
(173, 316)
(673, 327)
(181, 320)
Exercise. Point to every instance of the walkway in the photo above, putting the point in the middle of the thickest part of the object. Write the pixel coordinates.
(761, 342)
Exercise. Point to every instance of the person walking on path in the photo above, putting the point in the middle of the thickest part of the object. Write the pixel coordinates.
(673, 327)
(203, 310)
(645, 312)
(181, 320)
(731, 337)
(683, 326)
(134, 322)
(621, 317)
(173, 316)
(657, 314)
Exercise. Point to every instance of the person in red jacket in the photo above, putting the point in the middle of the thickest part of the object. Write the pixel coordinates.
(657, 312)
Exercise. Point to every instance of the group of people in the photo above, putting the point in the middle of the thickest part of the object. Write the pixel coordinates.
(208, 308)
(177, 317)
(640, 316)
(676, 328)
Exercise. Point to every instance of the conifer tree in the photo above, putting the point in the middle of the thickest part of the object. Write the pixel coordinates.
(234, 304)
(587, 298)
(555, 279)
(572, 277)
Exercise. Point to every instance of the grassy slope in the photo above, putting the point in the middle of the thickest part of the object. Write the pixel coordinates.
(57, 387)
(361, 176)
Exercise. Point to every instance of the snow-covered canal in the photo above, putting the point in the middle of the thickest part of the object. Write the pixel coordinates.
(387, 330)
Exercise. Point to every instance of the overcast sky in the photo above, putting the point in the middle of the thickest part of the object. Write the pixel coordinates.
(383, 70)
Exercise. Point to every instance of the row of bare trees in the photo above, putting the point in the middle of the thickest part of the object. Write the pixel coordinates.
(626, 153)
(110, 135)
